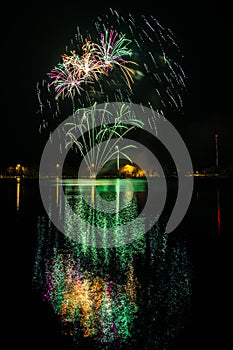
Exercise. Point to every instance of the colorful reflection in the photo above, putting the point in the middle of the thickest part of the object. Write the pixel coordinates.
(109, 205)
(18, 193)
(104, 297)
(103, 308)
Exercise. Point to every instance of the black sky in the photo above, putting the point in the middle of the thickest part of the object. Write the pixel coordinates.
(34, 37)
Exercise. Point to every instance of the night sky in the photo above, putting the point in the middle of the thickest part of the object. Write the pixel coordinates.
(34, 37)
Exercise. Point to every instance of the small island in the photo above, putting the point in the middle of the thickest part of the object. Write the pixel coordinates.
(121, 168)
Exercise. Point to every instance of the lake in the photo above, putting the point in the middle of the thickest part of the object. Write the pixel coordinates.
(104, 283)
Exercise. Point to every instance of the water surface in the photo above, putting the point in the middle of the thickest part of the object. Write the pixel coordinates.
(159, 291)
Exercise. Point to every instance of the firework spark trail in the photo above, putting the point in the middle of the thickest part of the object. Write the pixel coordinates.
(66, 81)
(111, 52)
(121, 124)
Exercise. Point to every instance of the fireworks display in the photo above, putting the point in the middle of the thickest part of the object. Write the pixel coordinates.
(115, 59)
(97, 290)
(69, 76)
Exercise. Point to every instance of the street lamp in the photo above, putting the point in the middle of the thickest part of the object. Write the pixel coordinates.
(18, 169)
(216, 150)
